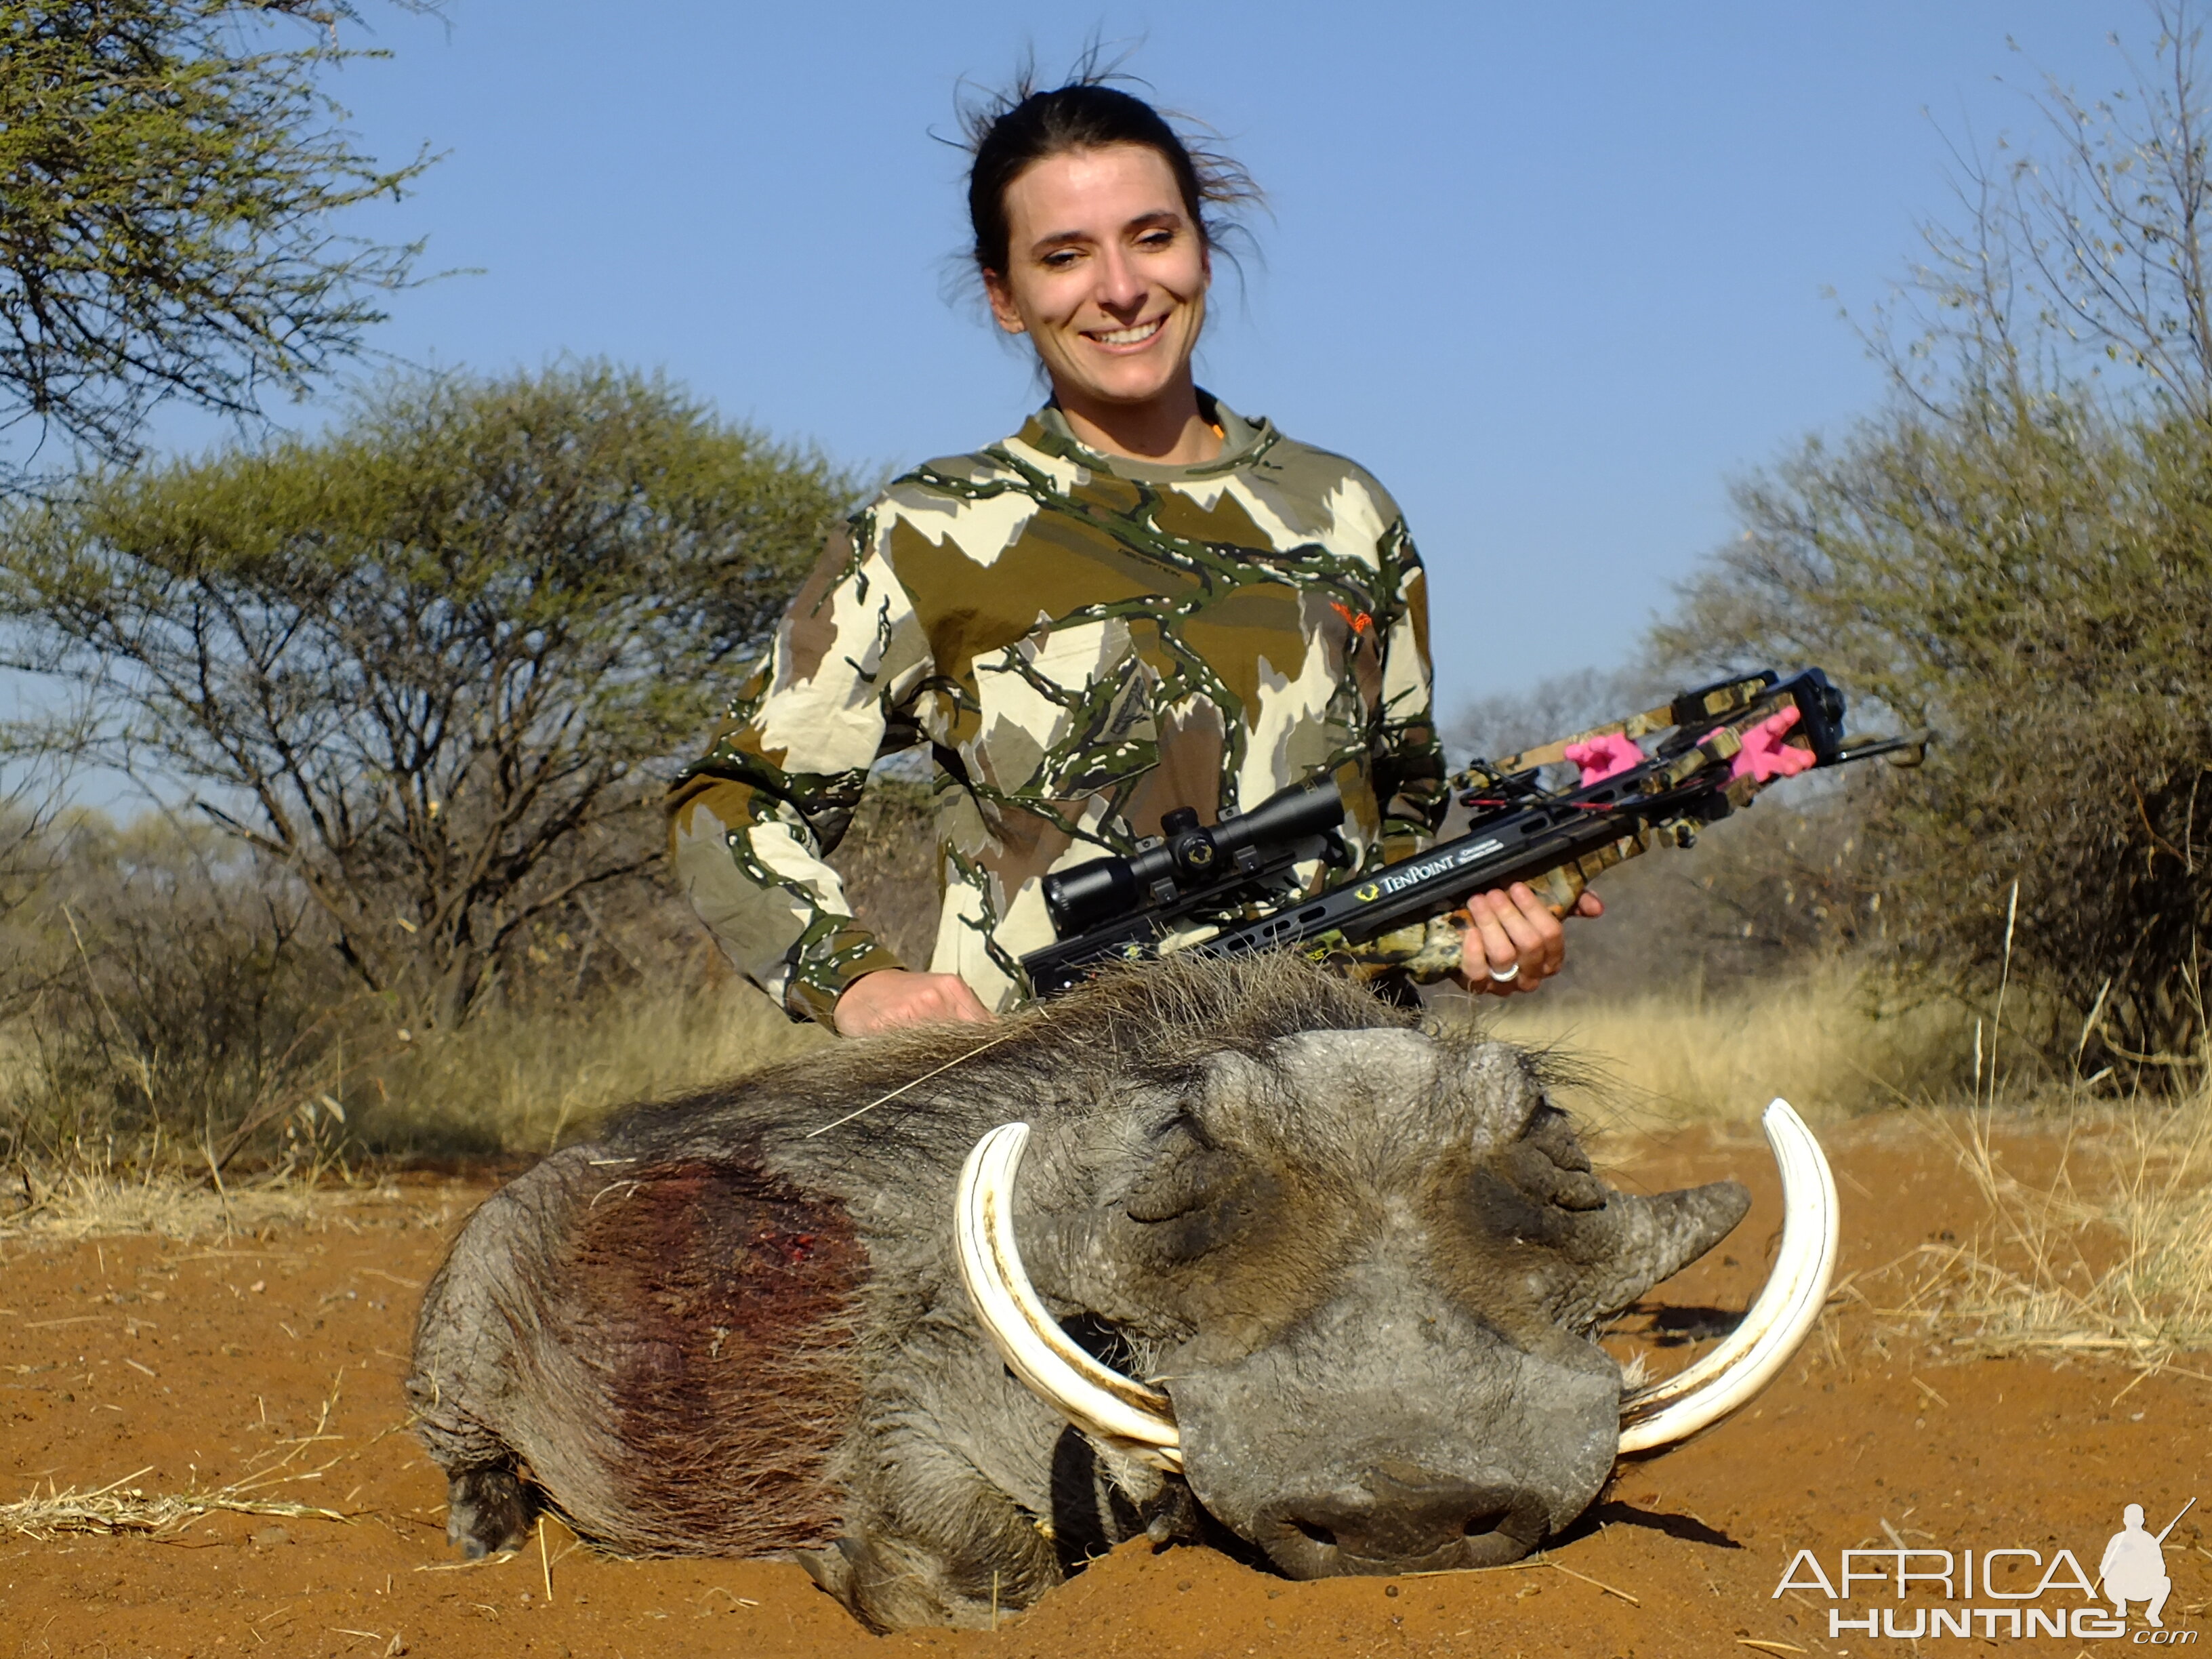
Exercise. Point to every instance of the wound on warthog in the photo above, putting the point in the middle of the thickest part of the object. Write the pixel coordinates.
(720, 1304)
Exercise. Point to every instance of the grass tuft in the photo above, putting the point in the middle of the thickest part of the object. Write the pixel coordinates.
(120, 1510)
(2110, 1256)
(158, 1201)
(1821, 1040)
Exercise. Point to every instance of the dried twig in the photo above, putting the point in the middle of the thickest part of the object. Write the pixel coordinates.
(1599, 1582)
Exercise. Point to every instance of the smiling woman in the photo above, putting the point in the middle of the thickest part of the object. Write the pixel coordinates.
(1110, 275)
(1141, 602)
(1112, 299)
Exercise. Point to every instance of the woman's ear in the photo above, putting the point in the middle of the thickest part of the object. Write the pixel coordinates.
(1002, 303)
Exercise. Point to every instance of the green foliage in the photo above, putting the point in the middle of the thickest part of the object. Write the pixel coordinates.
(2038, 589)
(169, 172)
(431, 664)
(2019, 555)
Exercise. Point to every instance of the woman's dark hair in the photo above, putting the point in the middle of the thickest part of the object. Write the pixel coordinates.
(1013, 130)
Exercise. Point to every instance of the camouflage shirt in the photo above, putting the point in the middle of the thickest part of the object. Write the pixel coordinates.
(1086, 643)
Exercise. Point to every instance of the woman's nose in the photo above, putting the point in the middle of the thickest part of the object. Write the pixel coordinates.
(1120, 286)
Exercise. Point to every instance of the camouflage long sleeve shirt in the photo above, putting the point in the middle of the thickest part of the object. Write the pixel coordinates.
(1086, 643)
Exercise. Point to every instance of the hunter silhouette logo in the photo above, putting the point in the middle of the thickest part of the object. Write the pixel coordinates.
(2134, 1567)
(2031, 1595)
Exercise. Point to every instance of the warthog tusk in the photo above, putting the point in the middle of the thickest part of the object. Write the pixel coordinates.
(1702, 1395)
(1097, 1398)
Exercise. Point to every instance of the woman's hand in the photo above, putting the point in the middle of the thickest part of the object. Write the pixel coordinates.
(1514, 934)
(892, 997)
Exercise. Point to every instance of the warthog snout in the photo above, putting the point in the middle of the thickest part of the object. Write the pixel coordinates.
(1396, 1516)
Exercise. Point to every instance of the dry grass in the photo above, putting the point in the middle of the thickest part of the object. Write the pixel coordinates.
(500, 1086)
(503, 1084)
(164, 1202)
(529, 1085)
(1821, 1040)
(120, 1507)
(2110, 1256)
(167, 1202)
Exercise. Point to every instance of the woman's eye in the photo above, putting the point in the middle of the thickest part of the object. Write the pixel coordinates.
(1060, 258)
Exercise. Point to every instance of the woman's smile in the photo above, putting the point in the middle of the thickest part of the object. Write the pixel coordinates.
(1136, 334)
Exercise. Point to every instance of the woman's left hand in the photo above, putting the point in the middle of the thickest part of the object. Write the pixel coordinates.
(1515, 943)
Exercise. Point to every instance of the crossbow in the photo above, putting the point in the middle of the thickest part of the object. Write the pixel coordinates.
(1240, 885)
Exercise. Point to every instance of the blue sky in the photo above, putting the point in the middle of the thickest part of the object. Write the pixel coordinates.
(1555, 274)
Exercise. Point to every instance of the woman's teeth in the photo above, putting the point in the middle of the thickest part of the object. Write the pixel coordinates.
(1136, 335)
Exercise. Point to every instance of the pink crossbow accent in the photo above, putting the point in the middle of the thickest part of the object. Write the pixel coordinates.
(1766, 755)
(1603, 757)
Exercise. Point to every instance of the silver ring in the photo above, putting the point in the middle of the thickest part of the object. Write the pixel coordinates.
(1506, 978)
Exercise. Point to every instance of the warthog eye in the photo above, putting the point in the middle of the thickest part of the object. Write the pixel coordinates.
(1186, 1177)
(1550, 1128)
(1189, 1197)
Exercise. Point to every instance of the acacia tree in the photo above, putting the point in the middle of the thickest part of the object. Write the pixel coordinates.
(171, 176)
(430, 663)
(2019, 554)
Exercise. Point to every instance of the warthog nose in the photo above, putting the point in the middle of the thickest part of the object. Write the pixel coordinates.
(1396, 1516)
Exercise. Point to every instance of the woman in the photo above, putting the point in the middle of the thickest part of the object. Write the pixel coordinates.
(1140, 601)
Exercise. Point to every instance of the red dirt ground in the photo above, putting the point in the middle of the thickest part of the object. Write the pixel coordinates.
(175, 1364)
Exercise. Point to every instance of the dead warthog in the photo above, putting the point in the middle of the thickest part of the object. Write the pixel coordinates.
(1356, 1265)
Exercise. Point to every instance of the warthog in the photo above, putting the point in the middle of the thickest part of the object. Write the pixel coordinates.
(1356, 1263)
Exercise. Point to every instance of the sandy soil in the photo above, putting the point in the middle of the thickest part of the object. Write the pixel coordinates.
(170, 1367)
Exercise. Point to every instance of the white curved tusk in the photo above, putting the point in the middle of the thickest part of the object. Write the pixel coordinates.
(1700, 1395)
(1097, 1398)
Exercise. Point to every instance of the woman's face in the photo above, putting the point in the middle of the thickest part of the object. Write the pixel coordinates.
(1105, 273)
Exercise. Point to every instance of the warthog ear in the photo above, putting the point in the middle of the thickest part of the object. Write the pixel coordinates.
(1651, 1238)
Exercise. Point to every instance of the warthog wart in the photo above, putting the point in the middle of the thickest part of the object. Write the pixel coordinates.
(1284, 1270)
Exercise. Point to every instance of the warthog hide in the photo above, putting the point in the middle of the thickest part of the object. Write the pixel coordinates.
(1364, 1259)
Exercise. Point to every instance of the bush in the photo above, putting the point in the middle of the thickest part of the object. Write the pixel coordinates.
(175, 1002)
(2019, 554)
(162, 997)
(2037, 586)
(434, 663)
